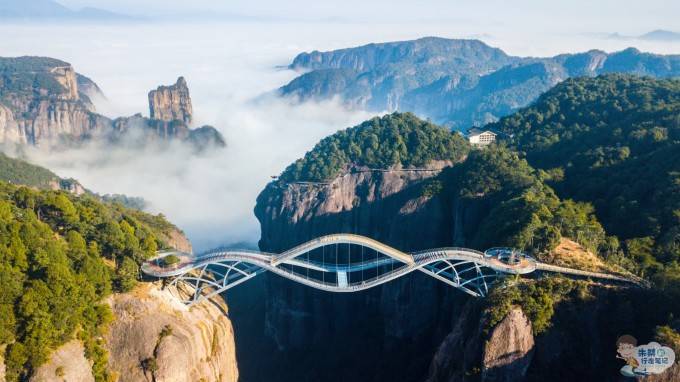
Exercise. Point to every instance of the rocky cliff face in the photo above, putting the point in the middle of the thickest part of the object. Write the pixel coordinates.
(44, 102)
(413, 328)
(186, 344)
(2, 364)
(199, 346)
(171, 103)
(68, 363)
(508, 352)
(376, 327)
(469, 354)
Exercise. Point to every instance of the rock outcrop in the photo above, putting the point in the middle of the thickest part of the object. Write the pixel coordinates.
(509, 349)
(412, 312)
(2, 364)
(44, 102)
(68, 363)
(171, 103)
(186, 344)
(415, 328)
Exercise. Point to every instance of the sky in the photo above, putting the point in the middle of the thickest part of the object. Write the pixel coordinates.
(232, 68)
(625, 16)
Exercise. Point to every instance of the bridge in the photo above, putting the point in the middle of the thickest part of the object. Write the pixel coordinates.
(351, 263)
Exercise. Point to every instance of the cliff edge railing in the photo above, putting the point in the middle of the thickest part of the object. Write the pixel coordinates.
(351, 263)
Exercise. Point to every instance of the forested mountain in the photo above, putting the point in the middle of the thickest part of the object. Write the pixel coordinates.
(60, 254)
(613, 141)
(393, 140)
(19, 172)
(455, 82)
(592, 162)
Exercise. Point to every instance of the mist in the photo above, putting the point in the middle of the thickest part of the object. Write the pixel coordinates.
(231, 70)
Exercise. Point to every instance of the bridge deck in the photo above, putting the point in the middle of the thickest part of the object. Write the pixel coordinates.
(463, 268)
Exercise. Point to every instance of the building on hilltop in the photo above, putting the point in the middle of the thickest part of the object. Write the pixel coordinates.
(479, 137)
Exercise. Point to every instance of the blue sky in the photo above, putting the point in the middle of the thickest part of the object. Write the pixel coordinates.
(625, 16)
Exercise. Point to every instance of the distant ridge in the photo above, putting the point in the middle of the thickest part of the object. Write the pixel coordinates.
(661, 35)
(28, 10)
(457, 82)
(655, 35)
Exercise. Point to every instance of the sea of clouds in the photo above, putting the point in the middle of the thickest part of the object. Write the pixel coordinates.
(232, 70)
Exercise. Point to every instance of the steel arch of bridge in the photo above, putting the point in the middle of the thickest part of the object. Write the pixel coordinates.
(466, 269)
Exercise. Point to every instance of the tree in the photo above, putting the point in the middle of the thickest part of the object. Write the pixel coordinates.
(127, 274)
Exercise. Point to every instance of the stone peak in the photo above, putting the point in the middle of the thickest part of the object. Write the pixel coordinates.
(171, 103)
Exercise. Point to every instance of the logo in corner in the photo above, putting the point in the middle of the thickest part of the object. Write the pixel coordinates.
(652, 358)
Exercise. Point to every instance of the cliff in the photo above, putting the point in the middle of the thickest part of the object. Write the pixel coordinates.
(44, 102)
(68, 363)
(2, 364)
(170, 103)
(379, 328)
(456, 82)
(413, 328)
(185, 344)
(467, 353)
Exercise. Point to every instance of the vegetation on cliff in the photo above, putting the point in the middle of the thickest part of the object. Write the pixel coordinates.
(520, 210)
(59, 256)
(22, 75)
(17, 171)
(615, 141)
(394, 139)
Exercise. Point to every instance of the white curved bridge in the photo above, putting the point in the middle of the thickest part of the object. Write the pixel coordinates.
(349, 263)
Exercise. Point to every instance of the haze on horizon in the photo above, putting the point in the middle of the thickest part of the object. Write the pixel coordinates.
(576, 16)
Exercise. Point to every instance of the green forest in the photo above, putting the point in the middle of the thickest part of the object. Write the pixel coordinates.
(60, 255)
(394, 139)
(613, 141)
(595, 160)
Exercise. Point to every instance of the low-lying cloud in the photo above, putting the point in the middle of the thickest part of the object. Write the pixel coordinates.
(227, 66)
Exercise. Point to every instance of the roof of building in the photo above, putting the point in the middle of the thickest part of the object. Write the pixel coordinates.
(478, 131)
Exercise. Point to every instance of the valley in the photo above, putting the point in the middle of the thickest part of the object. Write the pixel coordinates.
(301, 201)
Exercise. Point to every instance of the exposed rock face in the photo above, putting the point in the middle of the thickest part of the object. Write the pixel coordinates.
(179, 241)
(44, 102)
(458, 355)
(171, 103)
(66, 77)
(412, 312)
(68, 363)
(414, 323)
(199, 347)
(361, 201)
(508, 352)
(9, 127)
(2, 364)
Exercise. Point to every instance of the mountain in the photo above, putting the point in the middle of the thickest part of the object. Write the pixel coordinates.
(70, 301)
(51, 10)
(44, 102)
(661, 35)
(615, 141)
(587, 176)
(19, 172)
(455, 82)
